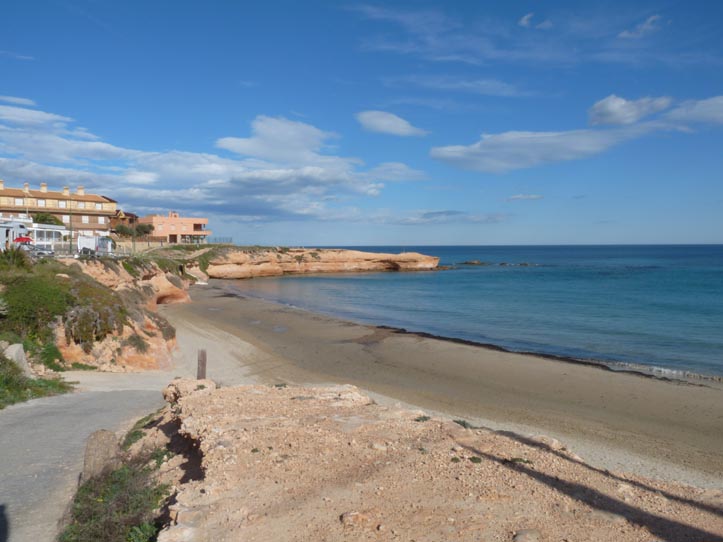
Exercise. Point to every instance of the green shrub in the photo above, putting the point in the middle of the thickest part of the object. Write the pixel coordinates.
(50, 356)
(82, 367)
(117, 506)
(33, 302)
(16, 387)
(14, 258)
(137, 342)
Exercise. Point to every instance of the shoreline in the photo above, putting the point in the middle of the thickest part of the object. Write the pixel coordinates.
(649, 425)
(618, 366)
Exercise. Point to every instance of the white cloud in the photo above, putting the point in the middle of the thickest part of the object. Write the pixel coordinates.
(16, 56)
(395, 171)
(545, 25)
(507, 151)
(498, 153)
(21, 115)
(526, 20)
(706, 111)
(443, 217)
(286, 170)
(616, 110)
(387, 123)
(518, 197)
(483, 87)
(650, 25)
(280, 139)
(17, 101)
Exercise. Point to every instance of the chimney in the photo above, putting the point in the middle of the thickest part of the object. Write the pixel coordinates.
(80, 191)
(2, 184)
(26, 187)
(43, 187)
(66, 191)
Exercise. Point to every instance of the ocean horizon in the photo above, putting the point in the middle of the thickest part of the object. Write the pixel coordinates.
(653, 307)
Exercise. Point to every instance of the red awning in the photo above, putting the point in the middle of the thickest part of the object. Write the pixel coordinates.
(23, 239)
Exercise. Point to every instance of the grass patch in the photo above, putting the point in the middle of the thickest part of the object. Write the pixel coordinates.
(16, 387)
(82, 367)
(117, 506)
(475, 459)
(455, 459)
(422, 419)
(51, 357)
(136, 433)
(33, 301)
(137, 342)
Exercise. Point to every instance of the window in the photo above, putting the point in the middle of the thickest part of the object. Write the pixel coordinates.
(18, 201)
(160, 227)
(81, 205)
(41, 203)
(85, 219)
(63, 204)
(101, 220)
(66, 218)
(99, 206)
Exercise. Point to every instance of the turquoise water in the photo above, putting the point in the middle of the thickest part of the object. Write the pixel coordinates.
(658, 306)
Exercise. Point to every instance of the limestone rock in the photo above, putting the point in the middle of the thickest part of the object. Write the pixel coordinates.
(101, 452)
(242, 264)
(181, 387)
(527, 535)
(16, 353)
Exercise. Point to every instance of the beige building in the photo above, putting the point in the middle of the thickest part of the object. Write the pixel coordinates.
(177, 229)
(81, 213)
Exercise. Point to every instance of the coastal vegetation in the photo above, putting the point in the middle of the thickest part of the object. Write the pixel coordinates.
(119, 505)
(123, 503)
(43, 302)
(16, 387)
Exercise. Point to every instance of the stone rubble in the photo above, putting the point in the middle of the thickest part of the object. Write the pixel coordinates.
(329, 464)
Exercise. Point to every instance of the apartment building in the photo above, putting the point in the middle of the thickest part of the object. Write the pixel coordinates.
(177, 229)
(81, 213)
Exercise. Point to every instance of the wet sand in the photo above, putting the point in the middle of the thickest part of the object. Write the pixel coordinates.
(617, 421)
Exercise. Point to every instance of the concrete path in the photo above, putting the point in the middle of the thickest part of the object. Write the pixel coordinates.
(42, 442)
(41, 454)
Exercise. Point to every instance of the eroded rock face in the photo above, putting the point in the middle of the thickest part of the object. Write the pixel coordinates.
(116, 277)
(309, 464)
(140, 346)
(243, 264)
(142, 340)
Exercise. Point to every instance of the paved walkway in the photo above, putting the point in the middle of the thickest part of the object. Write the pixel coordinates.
(42, 442)
(41, 454)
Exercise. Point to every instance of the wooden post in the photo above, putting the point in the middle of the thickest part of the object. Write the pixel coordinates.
(201, 373)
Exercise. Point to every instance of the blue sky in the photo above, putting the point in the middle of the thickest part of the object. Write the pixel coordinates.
(407, 123)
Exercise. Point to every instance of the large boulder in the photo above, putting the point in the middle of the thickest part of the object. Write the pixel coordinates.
(16, 353)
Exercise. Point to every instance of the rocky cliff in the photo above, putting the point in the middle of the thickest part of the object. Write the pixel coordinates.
(138, 338)
(243, 264)
(312, 464)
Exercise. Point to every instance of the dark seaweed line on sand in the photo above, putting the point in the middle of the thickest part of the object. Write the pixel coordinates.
(687, 378)
(613, 367)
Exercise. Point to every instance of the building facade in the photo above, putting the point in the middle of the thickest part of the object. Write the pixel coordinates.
(177, 229)
(80, 213)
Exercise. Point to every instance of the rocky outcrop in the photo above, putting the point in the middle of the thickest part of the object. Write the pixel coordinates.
(139, 339)
(163, 287)
(243, 264)
(302, 464)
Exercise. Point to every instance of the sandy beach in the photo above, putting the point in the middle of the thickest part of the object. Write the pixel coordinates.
(619, 422)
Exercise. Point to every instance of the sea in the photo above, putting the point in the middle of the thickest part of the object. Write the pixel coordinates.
(658, 308)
